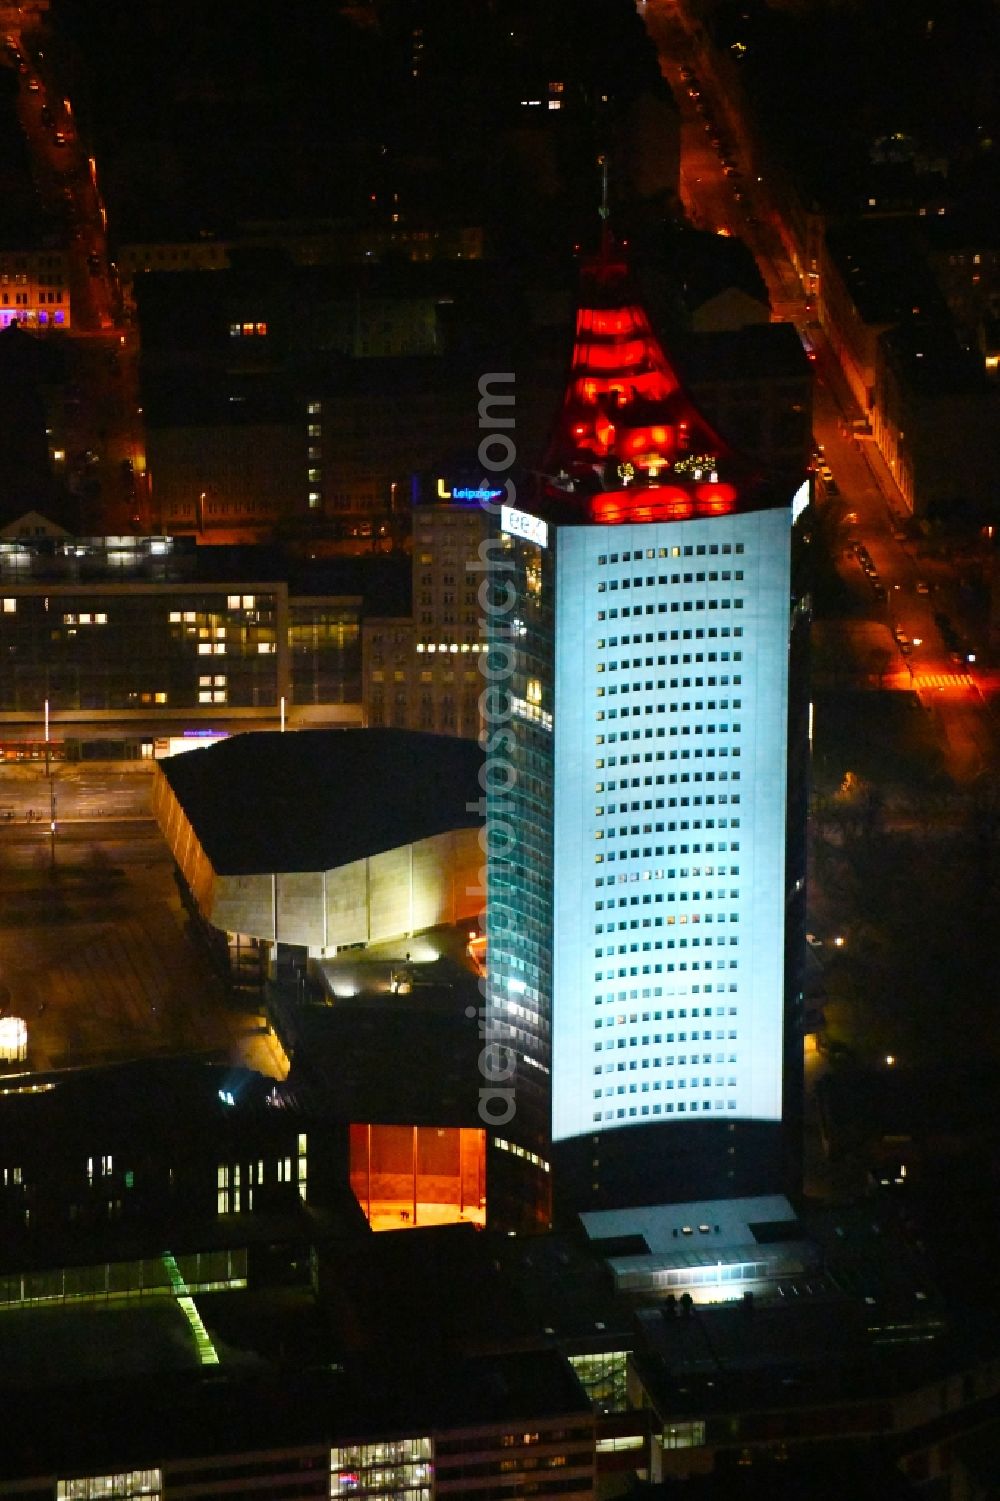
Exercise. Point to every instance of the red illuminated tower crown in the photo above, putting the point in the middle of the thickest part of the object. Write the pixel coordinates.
(630, 444)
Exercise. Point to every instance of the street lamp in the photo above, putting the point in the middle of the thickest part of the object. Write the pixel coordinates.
(52, 793)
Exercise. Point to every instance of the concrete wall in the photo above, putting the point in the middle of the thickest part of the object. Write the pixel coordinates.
(184, 846)
(415, 886)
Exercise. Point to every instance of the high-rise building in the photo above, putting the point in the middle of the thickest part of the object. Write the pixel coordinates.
(644, 921)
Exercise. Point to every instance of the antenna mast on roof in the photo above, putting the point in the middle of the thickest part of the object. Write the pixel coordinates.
(605, 211)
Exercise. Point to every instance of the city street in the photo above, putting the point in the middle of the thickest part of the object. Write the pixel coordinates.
(918, 590)
(103, 417)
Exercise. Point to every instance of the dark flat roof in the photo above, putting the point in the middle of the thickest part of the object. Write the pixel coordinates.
(757, 352)
(315, 799)
(248, 1405)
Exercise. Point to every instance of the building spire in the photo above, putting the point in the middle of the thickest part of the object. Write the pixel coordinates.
(605, 209)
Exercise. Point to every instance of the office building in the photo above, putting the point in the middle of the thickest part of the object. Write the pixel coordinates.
(137, 642)
(422, 671)
(643, 921)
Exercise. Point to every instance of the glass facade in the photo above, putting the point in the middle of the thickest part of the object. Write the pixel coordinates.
(139, 647)
(203, 1271)
(519, 684)
(406, 1176)
(324, 639)
(400, 1467)
(604, 1378)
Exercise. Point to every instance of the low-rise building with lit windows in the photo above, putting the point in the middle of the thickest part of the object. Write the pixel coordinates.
(34, 289)
(101, 1168)
(504, 1421)
(138, 642)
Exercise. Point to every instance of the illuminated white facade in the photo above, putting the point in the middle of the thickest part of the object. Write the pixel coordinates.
(670, 766)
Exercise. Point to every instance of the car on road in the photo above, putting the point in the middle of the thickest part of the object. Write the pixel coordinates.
(881, 593)
(923, 587)
(60, 138)
(34, 87)
(687, 74)
(826, 472)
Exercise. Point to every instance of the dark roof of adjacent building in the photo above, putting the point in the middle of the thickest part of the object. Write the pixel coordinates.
(885, 270)
(760, 351)
(251, 1402)
(316, 799)
(172, 1096)
(933, 360)
(706, 264)
(824, 1475)
(371, 1054)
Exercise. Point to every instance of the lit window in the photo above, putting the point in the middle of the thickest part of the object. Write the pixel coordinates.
(10, 606)
(129, 1486)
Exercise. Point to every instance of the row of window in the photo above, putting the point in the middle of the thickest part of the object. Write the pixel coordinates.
(647, 638)
(614, 737)
(706, 1105)
(470, 676)
(644, 852)
(665, 1085)
(700, 550)
(683, 967)
(651, 875)
(712, 633)
(697, 1034)
(697, 776)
